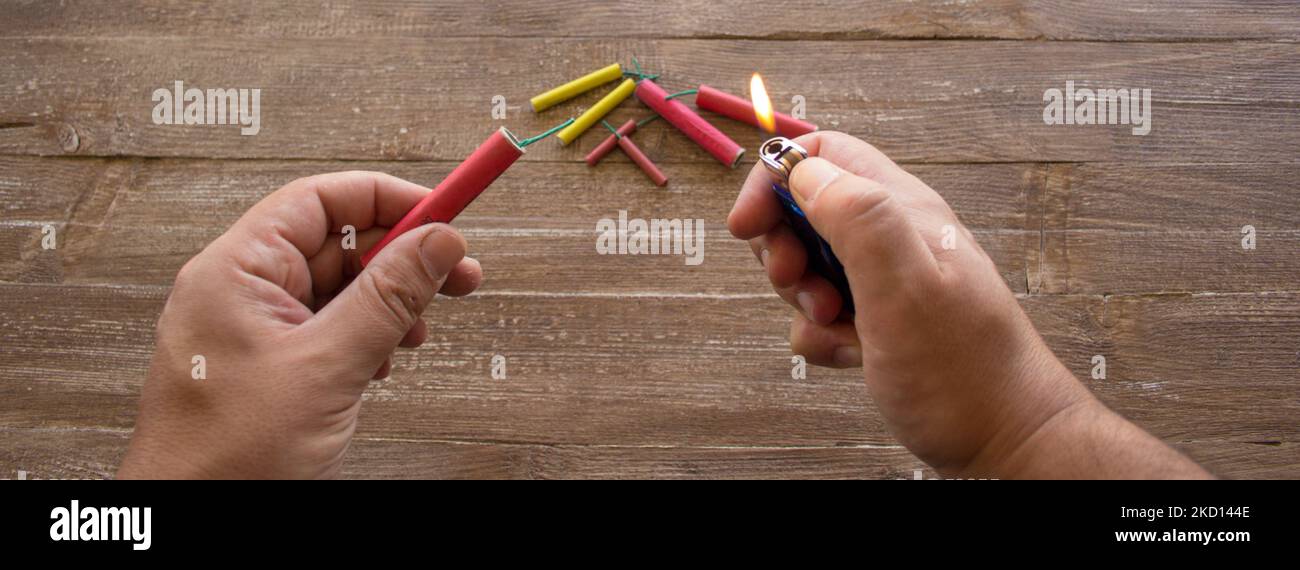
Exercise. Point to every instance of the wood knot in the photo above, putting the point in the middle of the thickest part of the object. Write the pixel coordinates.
(68, 138)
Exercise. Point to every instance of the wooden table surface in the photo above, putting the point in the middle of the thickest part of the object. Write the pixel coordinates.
(1123, 246)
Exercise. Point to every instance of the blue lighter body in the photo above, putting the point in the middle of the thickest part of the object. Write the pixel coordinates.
(780, 155)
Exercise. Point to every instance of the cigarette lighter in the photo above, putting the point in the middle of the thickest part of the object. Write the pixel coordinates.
(780, 155)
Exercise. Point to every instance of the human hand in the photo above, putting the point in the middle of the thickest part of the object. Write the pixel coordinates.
(954, 364)
(290, 330)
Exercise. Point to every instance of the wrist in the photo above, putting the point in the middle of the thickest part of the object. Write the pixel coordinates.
(1045, 402)
(1042, 451)
(140, 464)
(1067, 433)
(149, 457)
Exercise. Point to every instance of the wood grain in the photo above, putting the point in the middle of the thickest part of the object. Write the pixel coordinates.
(1169, 228)
(536, 227)
(1049, 228)
(94, 454)
(904, 19)
(1121, 246)
(380, 98)
(613, 369)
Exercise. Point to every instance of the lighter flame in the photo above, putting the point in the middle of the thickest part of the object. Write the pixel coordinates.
(762, 103)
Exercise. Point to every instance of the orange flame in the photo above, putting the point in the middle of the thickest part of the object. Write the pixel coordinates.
(762, 104)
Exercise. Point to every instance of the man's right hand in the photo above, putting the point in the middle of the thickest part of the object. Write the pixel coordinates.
(956, 367)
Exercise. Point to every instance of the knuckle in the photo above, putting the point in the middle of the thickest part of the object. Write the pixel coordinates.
(805, 342)
(355, 175)
(303, 182)
(314, 182)
(188, 272)
(799, 337)
(192, 279)
(393, 295)
(847, 206)
(864, 203)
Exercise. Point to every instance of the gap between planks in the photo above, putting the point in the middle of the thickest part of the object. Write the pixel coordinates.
(552, 445)
(163, 289)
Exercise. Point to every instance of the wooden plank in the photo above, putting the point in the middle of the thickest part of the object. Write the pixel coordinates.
(213, 194)
(388, 98)
(583, 462)
(1113, 228)
(60, 454)
(1179, 197)
(44, 191)
(1033, 19)
(43, 196)
(1171, 262)
(1223, 360)
(1170, 228)
(699, 370)
(23, 258)
(535, 231)
(1122, 20)
(569, 372)
(95, 454)
(1246, 461)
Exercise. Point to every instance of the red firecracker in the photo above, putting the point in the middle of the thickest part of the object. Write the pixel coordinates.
(459, 188)
(689, 122)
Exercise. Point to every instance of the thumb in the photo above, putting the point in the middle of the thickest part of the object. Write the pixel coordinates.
(368, 319)
(865, 225)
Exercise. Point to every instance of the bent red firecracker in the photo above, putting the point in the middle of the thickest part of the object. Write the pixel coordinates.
(610, 142)
(634, 152)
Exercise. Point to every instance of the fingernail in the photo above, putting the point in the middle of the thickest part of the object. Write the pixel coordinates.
(439, 252)
(806, 303)
(762, 257)
(848, 356)
(811, 176)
